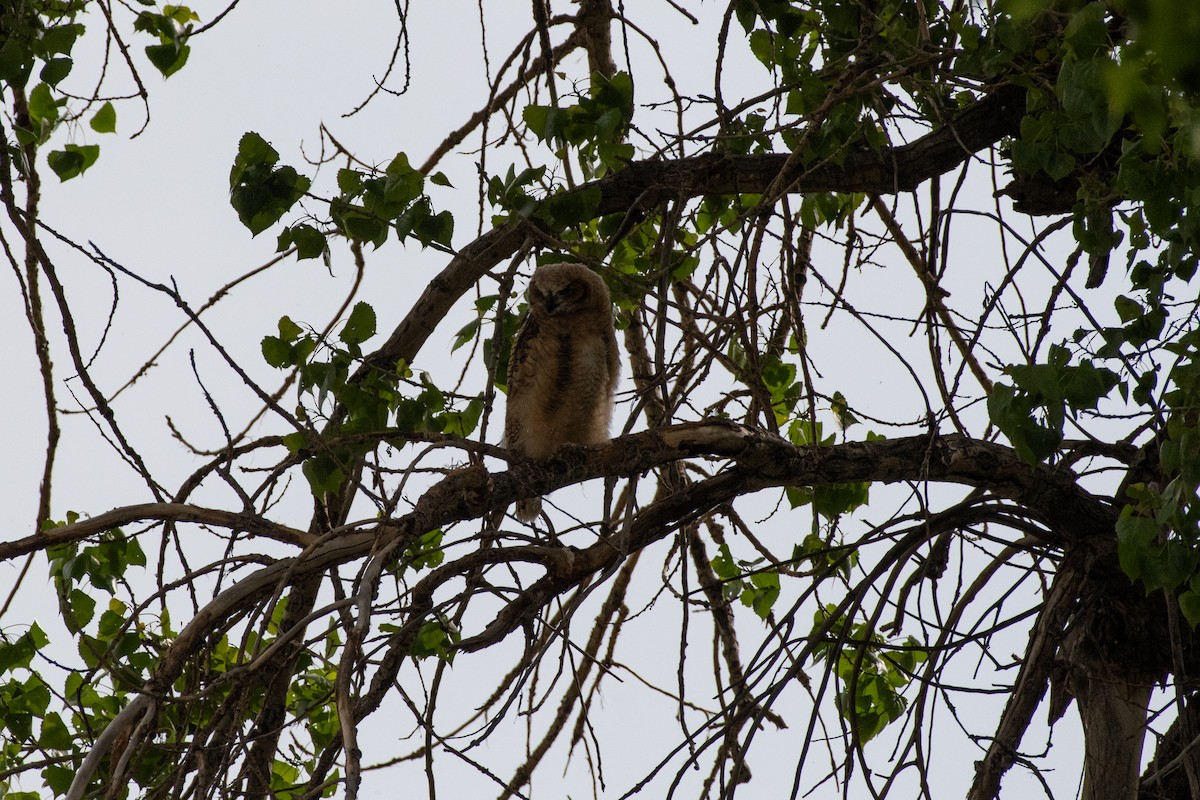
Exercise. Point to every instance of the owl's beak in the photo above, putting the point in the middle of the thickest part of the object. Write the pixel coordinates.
(552, 302)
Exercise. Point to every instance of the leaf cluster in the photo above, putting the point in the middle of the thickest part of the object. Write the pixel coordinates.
(757, 587)
(172, 26)
(45, 33)
(375, 405)
(595, 126)
(1032, 412)
(259, 191)
(370, 205)
(1158, 533)
(872, 671)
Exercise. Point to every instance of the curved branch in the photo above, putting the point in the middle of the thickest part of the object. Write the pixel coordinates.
(159, 512)
(644, 184)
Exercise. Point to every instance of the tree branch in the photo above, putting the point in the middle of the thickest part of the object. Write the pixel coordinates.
(146, 512)
(643, 185)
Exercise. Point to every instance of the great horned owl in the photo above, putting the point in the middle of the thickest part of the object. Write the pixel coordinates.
(563, 370)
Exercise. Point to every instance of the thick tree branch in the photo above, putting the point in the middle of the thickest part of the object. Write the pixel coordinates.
(644, 184)
(761, 461)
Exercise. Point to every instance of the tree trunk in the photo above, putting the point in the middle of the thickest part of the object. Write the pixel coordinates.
(1112, 705)
(1114, 652)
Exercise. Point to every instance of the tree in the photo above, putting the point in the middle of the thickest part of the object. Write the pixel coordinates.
(906, 452)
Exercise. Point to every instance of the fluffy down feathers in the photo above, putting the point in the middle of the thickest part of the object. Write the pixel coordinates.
(564, 367)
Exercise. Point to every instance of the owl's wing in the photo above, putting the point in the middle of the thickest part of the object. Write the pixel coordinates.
(520, 368)
(612, 353)
(519, 359)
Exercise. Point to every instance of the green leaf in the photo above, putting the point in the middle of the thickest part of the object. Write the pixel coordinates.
(180, 14)
(288, 330)
(1087, 31)
(1127, 308)
(360, 326)
(356, 222)
(54, 734)
(284, 350)
(21, 725)
(403, 183)
(798, 496)
(540, 120)
(420, 222)
(724, 566)
(37, 636)
(112, 621)
(295, 442)
(168, 58)
(253, 153)
(836, 499)
(762, 592)
(284, 778)
(349, 181)
(463, 423)
(59, 778)
(426, 552)
(19, 653)
(83, 608)
(841, 411)
(570, 208)
(436, 229)
(1136, 539)
(55, 70)
(1189, 604)
(260, 192)
(465, 334)
(435, 639)
(60, 39)
(73, 160)
(277, 352)
(16, 62)
(762, 48)
(324, 475)
(104, 120)
(43, 108)
(308, 241)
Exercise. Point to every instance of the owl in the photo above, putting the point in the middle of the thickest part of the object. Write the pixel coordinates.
(563, 370)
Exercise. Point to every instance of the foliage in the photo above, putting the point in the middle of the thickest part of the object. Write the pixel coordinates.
(872, 673)
(371, 405)
(757, 589)
(259, 191)
(1032, 413)
(596, 126)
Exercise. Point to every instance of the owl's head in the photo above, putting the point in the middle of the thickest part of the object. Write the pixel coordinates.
(564, 290)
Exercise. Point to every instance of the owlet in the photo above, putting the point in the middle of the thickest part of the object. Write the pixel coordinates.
(564, 368)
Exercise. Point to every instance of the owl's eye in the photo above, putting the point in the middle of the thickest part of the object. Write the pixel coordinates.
(536, 295)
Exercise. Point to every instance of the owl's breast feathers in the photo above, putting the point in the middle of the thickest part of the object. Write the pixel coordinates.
(561, 383)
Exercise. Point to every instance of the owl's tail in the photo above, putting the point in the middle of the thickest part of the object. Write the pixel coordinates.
(528, 509)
